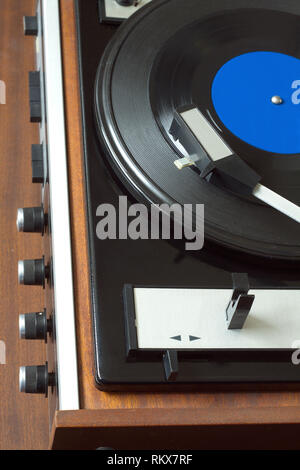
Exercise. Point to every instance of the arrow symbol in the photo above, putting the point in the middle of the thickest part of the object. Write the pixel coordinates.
(193, 338)
(177, 338)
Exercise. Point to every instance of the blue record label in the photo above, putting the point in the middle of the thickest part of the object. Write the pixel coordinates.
(257, 97)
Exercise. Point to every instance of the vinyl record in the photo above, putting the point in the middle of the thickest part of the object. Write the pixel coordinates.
(233, 62)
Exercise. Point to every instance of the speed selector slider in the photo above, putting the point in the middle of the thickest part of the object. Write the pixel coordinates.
(31, 220)
(241, 302)
(32, 272)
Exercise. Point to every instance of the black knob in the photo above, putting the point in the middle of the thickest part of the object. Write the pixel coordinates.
(30, 25)
(32, 272)
(35, 97)
(35, 379)
(34, 326)
(37, 161)
(127, 3)
(31, 220)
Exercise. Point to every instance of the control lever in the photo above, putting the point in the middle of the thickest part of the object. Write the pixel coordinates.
(218, 164)
(241, 302)
(170, 360)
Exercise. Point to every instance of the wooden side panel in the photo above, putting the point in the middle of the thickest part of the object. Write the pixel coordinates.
(177, 429)
(23, 418)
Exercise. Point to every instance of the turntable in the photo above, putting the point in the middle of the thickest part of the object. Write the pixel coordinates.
(192, 103)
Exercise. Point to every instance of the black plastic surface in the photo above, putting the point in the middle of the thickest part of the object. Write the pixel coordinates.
(115, 263)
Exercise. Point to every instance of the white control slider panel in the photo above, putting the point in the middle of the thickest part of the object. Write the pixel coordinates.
(195, 319)
(221, 326)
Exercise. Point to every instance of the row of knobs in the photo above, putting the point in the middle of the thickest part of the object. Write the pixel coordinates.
(36, 326)
(33, 326)
(34, 272)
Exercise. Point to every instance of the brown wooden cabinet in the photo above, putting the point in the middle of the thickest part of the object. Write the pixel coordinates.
(210, 419)
(23, 419)
(232, 419)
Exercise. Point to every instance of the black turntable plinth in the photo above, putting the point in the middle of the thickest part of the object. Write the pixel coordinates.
(192, 104)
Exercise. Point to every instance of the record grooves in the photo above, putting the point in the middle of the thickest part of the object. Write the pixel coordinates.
(157, 83)
(157, 93)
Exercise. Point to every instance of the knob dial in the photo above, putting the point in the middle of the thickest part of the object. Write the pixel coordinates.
(32, 272)
(35, 379)
(31, 220)
(127, 3)
(34, 326)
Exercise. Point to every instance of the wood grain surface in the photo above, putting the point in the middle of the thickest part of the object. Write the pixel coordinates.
(90, 429)
(23, 418)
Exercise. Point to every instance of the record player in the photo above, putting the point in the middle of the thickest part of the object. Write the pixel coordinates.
(194, 103)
